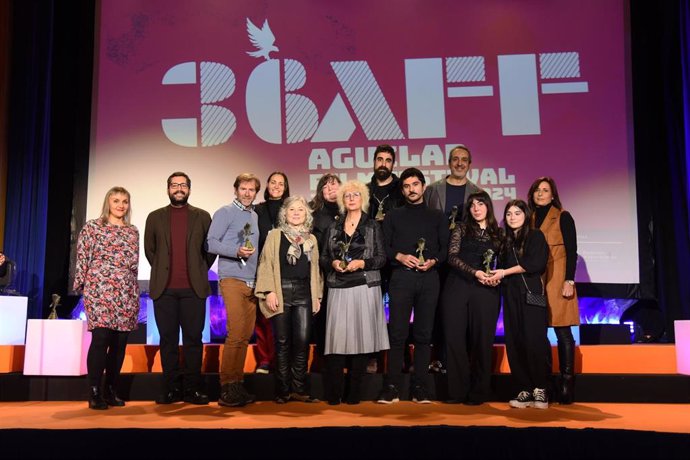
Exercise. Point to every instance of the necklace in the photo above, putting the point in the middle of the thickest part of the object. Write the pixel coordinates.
(379, 212)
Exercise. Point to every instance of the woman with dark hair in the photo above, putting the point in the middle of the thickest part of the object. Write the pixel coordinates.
(352, 256)
(471, 302)
(523, 260)
(277, 190)
(325, 209)
(558, 228)
(288, 286)
(106, 276)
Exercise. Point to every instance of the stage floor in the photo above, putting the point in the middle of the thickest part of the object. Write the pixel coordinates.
(663, 418)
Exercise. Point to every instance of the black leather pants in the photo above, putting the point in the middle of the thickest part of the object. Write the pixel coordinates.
(291, 330)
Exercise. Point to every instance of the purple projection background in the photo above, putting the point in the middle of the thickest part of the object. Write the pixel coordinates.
(520, 83)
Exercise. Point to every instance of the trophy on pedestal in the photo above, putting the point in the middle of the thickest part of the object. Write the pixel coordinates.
(53, 307)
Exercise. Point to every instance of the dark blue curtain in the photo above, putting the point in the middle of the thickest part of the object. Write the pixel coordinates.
(685, 62)
(29, 147)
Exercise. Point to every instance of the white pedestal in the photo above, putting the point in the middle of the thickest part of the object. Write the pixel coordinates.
(153, 337)
(56, 347)
(12, 320)
(682, 332)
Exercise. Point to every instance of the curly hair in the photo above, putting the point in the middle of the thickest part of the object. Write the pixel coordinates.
(353, 186)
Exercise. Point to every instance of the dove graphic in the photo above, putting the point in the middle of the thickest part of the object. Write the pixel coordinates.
(262, 39)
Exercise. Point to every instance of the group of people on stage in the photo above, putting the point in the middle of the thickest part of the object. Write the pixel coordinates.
(292, 270)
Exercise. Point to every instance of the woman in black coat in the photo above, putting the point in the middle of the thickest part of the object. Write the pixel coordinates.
(523, 259)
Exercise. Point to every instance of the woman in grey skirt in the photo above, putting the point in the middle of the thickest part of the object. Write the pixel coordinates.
(351, 257)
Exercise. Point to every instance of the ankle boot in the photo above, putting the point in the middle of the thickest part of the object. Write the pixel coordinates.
(566, 389)
(566, 357)
(110, 397)
(96, 400)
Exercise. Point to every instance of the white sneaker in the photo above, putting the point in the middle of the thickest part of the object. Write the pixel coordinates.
(541, 401)
(523, 400)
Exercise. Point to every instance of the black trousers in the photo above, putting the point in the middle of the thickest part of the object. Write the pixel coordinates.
(175, 309)
(319, 323)
(470, 312)
(106, 353)
(527, 344)
(419, 291)
(291, 330)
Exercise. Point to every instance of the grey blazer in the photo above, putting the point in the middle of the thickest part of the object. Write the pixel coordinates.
(435, 194)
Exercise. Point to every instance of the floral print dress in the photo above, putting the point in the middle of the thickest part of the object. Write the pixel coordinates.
(106, 275)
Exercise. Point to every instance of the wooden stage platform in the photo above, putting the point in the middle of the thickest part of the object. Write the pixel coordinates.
(631, 403)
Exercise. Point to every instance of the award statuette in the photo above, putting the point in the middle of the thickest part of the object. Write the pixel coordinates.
(488, 258)
(421, 244)
(53, 307)
(344, 258)
(453, 216)
(379, 212)
(247, 231)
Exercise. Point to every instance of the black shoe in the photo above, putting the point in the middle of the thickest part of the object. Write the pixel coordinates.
(96, 400)
(472, 402)
(352, 400)
(234, 395)
(453, 401)
(249, 397)
(171, 397)
(110, 397)
(196, 397)
(420, 396)
(333, 402)
(388, 395)
(282, 399)
(303, 397)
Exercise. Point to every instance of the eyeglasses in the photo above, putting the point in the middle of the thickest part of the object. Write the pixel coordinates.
(352, 196)
(182, 185)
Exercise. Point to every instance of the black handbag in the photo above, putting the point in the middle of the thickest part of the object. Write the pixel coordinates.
(532, 298)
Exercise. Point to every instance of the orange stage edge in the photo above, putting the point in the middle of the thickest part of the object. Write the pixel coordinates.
(590, 359)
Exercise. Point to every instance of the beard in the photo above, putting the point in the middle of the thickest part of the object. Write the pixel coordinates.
(383, 173)
(175, 201)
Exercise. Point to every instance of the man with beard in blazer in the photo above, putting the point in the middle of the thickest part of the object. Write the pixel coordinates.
(175, 246)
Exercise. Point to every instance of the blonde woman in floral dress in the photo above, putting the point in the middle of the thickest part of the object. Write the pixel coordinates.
(106, 275)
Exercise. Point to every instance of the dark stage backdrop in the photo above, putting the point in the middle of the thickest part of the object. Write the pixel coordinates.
(50, 117)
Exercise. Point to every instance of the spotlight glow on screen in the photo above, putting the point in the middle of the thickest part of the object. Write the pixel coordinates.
(217, 88)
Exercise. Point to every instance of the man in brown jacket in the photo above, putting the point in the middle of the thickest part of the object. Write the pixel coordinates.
(175, 246)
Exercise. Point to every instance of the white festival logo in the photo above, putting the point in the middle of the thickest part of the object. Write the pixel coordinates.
(279, 112)
(262, 39)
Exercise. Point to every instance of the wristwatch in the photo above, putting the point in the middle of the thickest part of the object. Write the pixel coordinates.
(570, 282)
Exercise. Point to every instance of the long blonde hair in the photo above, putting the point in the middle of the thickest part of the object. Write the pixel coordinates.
(105, 211)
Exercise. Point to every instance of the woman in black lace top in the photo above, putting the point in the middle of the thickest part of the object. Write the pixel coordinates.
(470, 303)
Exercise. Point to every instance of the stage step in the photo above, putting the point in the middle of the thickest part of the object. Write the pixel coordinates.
(589, 359)
(623, 388)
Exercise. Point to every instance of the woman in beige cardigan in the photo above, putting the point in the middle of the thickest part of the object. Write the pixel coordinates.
(289, 288)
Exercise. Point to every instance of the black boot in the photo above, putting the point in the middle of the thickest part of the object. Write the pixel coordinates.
(96, 400)
(566, 358)
(567, 389)
(334, 379)
(357, 370)
(110, 397)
